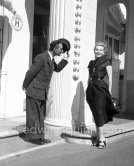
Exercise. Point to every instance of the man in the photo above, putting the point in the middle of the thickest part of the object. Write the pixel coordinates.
(36, 85)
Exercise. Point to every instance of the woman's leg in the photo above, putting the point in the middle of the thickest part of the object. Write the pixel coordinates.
(100, 133)
(101, 138)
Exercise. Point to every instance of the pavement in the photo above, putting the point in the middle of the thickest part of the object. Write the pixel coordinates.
(121, 126)
(11, 127)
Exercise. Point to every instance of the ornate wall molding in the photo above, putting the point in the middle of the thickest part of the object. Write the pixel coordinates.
(77, 39)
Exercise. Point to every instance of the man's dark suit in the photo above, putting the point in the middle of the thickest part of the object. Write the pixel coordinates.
(36, 83)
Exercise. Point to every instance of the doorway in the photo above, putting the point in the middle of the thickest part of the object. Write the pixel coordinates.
(41, 26)
(114, 36)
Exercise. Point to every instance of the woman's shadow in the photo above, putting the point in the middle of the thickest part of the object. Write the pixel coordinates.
(78, 109)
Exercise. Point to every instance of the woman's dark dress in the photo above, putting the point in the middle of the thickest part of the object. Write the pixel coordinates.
(97, 93)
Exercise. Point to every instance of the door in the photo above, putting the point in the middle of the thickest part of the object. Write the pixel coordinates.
(41, 26)
(113, 46)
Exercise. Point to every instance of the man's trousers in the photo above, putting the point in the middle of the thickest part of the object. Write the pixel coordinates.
(35, 115)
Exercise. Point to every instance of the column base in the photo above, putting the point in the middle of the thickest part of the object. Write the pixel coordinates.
(81, 136)
(62, 123)
(57, 122)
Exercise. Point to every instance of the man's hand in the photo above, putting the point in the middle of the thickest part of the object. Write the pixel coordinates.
(23, 88)
(66, 55)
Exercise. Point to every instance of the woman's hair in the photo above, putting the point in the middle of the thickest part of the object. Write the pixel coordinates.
(104, 45)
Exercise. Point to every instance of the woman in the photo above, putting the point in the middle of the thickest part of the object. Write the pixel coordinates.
(98, 93)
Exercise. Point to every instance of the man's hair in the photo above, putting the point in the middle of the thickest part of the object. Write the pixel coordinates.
(64, 42)
(53, 44)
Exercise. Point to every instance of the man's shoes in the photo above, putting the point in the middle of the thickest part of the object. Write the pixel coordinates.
(34, 141)
(40, 141)
(44, 141)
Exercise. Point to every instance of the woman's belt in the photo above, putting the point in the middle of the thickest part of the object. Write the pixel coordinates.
(97, 78)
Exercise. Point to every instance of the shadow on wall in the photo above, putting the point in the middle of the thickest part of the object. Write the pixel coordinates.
(5, 37)
(78, 108)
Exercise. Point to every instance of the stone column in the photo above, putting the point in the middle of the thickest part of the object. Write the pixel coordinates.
(66, 100)
(3, 73)
(58, 111)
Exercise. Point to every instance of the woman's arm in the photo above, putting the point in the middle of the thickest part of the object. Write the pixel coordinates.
(89, 79)
(109, 72)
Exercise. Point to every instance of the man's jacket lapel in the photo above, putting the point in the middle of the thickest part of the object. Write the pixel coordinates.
(50, 61)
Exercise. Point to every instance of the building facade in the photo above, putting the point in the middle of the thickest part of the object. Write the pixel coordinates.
(82, 22)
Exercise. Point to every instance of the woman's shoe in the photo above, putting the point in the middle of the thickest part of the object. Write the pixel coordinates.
(102, 144)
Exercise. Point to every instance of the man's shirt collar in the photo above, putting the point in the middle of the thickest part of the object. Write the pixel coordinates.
(50, 55)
